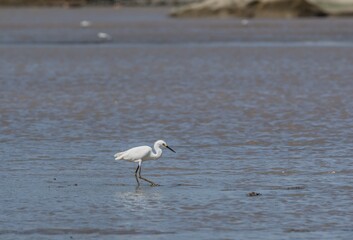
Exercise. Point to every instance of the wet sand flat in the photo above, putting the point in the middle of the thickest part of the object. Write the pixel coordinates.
(263, 108)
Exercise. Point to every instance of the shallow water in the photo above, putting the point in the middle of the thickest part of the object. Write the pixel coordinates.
(245, 111)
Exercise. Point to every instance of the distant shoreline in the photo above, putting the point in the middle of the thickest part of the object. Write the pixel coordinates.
(329, 7)
(92, 3)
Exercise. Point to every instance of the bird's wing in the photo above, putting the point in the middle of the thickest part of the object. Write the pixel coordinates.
(134, 154)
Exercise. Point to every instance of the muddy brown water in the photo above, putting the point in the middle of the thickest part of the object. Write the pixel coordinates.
(265, 108)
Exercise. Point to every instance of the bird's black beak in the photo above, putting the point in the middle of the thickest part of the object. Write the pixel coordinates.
(170, 148)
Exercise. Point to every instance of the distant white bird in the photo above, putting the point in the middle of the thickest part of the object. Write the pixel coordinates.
(85, 23)
(104, 36)
(141, 154)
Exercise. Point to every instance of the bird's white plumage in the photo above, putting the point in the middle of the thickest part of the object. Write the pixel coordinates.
(142, 153)
(134, 154)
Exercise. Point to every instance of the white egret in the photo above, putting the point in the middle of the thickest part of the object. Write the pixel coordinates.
(141, 154)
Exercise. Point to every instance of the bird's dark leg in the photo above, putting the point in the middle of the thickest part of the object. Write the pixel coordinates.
(137, 169)
(152, 183)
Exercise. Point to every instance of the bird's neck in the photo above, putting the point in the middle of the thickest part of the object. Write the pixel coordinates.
(158, 152)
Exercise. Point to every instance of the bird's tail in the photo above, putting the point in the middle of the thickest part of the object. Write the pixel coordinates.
(119, 155)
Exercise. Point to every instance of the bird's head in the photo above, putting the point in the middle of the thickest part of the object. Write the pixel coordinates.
(163, 144)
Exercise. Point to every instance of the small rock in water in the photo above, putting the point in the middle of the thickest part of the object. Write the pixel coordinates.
(253, 194)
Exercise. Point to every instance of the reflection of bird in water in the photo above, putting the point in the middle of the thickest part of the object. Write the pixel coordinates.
(143, 153)
(139, 201)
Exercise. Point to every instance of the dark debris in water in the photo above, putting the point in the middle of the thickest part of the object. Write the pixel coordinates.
(253, 194)
(297, 230)
(60, 185)
(295, 188)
